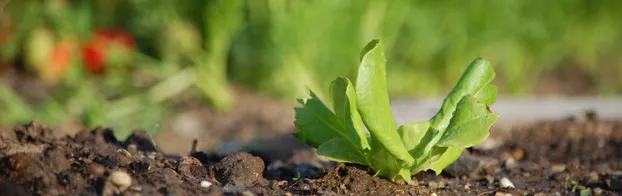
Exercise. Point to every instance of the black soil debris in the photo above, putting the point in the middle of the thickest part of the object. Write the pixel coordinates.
(241, 169)
(547, 158)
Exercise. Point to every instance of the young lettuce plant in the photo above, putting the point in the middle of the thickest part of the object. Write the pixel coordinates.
(396, 153)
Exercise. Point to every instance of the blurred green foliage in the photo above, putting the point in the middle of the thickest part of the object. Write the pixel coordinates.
(281, 47)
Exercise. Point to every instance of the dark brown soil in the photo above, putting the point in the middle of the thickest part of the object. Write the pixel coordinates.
(550, 158)
(571, 79)
(252, 117)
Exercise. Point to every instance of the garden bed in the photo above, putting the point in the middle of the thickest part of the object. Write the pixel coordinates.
(545, 158)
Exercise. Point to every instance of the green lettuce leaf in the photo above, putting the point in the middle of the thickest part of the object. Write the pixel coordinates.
(461, 115)
(487, 95)
(344, 103)
(341, 150)
(441, 157)
(383, 162)
(413, 133)
(464, 120)
(316, 123)
(373, 101)
(475, 81)
(321, 128)
(469, 126)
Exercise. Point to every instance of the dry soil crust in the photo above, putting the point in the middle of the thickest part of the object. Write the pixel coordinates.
(550, 158)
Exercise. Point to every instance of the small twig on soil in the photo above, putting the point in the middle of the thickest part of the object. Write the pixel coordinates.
(485, 193)
(151, 137)
(9, 150)
(292, 185)
(193, 149)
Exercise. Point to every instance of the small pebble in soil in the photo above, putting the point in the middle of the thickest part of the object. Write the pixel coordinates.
(341, 186)
(539, 194)
(594, 178)
(306, 187)
(242, 169)
(469, 164)
(152, 155)
(247, 193)
(490, 179)
(143, 141)
(433, 194)
(136, 188)
(414, 182)
(598, 191)
(510, 163)
(124, 152)
(502, 194)
(558, 168)
(488, 144)
(518, 154)
(121, 180)
(96, 170)
(506, 183)
(205, 184)
(230, 188)
(432, 185)
(132, 148)
(467, 186)
(275, 165)
(190, 161)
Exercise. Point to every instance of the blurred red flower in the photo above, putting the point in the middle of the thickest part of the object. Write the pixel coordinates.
(59, 61)
(97, 48)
